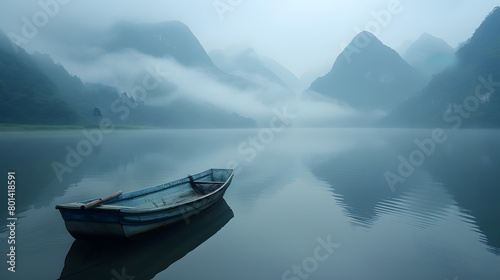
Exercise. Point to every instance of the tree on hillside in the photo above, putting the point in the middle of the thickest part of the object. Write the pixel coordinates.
(97, 112)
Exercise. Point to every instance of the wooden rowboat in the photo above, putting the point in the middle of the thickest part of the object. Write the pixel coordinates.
(146, 257)
(126, 215)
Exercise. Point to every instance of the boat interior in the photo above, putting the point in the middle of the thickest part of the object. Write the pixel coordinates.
(176, 192)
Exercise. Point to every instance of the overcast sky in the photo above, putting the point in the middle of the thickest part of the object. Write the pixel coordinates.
(302, 35)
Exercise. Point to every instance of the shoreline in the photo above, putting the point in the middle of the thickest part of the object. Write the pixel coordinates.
(42, 127)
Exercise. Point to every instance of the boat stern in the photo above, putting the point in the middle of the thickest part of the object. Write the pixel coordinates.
(92, 223)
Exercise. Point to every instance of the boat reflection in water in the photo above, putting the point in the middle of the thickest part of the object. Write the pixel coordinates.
(148, 256)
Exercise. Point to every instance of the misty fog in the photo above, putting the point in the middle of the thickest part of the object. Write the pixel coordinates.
(325, 139)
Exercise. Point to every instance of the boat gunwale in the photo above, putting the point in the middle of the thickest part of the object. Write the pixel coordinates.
(147, 191)
(135, 210)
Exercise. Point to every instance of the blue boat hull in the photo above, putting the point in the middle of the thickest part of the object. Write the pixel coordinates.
(135, 213)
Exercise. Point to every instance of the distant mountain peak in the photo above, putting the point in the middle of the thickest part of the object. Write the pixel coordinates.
(429, 54)
(362, 45)
(478, 59)
(426, 39)
(363, 39)
(246, 63)
(366, 35)
(426, 35)
(368, 75)
(250, 51)
(164, 39)
(404, 47)
(366, 48)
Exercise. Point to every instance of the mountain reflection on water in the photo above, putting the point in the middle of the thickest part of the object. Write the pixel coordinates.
(462, 172)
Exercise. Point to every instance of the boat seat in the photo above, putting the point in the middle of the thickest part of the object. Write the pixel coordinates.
(199, 189)
(195, 187)
(209, 182)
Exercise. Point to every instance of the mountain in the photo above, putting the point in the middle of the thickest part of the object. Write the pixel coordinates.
(27, 95)
(283, 73)
(36, 90)
(175, 40)
(171, 39)
(369, 75)
(429, 54)
(81, 97)
(245, 63)
(5, 44)
(404, 47)
(167, 39)
(39, 91)
(465, 95)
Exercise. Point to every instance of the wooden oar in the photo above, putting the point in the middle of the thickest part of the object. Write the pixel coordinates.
(99, 201)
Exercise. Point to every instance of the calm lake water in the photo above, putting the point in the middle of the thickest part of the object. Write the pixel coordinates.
(305, 204)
